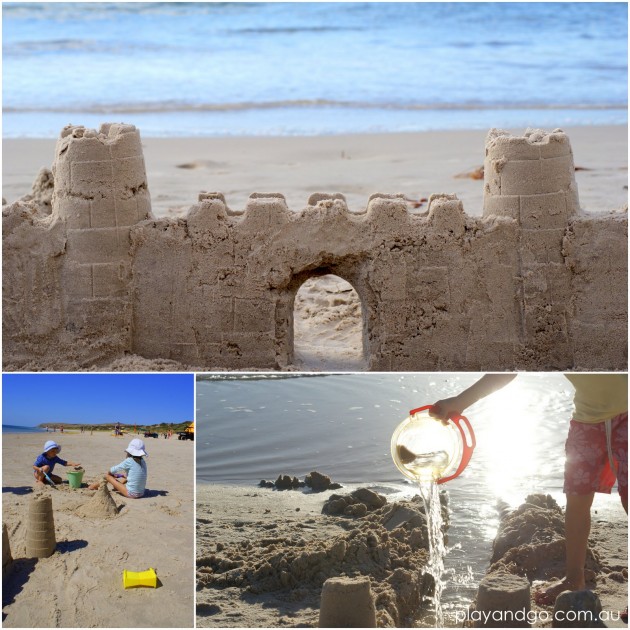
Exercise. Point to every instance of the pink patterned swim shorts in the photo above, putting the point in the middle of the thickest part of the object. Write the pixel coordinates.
(587, 468)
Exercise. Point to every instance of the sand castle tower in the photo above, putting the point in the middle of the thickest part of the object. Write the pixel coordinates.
(7, 559)
(40, 536)
(100, 192)
(347, 603)
(101, 505)
(530, 178)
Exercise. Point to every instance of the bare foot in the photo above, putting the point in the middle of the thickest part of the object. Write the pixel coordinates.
(548, 595)
(94, 486)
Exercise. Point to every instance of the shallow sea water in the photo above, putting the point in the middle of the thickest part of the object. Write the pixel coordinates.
(273, 68)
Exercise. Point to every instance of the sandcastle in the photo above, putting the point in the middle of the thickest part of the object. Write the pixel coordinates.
(7, 558)
(347, 603)
(532, 284)
(40, 536)
(101, 505)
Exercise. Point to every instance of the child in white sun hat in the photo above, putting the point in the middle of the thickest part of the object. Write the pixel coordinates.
(45, 463)
(129, 478)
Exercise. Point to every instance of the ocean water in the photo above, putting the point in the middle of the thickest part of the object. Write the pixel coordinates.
(256, 428)
(312, 68)
(12, 428)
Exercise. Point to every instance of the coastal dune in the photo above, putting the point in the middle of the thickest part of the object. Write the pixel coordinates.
(80, 584)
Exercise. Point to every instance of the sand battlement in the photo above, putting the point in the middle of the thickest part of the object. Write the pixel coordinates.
(525, 286)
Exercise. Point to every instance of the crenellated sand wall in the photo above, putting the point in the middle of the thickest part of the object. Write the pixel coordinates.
(532, 284)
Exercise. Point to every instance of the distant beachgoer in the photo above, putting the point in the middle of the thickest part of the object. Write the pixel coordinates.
(596, 454)
(129, 478)
(45, 463)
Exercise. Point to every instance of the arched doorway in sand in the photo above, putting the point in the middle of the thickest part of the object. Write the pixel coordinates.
(328, 326)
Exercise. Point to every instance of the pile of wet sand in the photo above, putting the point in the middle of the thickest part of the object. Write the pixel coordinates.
(276, 563)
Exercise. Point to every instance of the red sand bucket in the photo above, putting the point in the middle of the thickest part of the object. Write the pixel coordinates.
(425, 449)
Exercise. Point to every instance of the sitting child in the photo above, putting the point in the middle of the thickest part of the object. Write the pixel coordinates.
(129, 478)
(45, 463)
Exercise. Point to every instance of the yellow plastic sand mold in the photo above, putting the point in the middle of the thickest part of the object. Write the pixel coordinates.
(131, 579)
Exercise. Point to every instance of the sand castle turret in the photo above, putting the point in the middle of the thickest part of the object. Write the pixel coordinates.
(347, 603)
(530, 178)
(100, 191)
(40, 535)
(7, 559)
(508, 597)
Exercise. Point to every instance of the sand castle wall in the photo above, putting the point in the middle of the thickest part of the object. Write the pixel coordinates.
(532, 284)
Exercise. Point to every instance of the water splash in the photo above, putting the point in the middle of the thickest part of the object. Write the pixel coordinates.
(435, 567)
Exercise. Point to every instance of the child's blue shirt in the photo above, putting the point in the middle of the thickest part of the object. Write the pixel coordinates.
(42, 460)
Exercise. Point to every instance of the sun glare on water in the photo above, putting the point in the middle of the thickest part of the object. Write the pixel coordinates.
(512, 442)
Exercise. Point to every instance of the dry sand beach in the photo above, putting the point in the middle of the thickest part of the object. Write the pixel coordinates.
(80, 584)
(263, 555)
(415, 164)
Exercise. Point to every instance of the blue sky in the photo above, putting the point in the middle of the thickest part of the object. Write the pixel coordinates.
(30, 399)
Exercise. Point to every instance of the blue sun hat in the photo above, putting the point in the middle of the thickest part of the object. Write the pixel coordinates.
(50, 445)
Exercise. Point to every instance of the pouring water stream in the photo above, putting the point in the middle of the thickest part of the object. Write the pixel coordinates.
(428, 467)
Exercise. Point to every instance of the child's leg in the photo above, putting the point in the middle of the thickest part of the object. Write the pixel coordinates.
(119, 487)
(586, 458)
(577, 525)
(121, 476)
(39, 476)
(620, 453)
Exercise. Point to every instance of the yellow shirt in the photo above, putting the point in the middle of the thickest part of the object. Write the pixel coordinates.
(599, 397)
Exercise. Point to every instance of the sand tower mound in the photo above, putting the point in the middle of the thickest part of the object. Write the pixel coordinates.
(101, 505)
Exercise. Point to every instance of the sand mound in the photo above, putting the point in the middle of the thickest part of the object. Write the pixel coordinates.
(357, 503)
(317, 481)
(531, 542)
(101, 505)
(288, 566)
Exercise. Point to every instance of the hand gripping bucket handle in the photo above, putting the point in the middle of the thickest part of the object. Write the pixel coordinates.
(468, 441)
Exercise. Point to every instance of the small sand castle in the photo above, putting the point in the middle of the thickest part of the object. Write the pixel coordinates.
(40, 537)
(7, 558)
(532, 284)
(101, 505)
(347, 603)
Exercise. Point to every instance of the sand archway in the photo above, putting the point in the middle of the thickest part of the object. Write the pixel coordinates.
(329, 325)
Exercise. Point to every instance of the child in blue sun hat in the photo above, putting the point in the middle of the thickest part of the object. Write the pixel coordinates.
(45, 463)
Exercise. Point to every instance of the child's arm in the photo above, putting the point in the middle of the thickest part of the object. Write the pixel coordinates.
(124, 465)
(486, 385)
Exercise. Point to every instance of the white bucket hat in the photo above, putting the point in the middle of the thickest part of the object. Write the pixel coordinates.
(50, 445)
(136, 448)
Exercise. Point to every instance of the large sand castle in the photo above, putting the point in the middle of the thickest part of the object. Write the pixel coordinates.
(92, 276)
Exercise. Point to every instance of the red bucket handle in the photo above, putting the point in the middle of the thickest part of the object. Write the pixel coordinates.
(468, 446)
